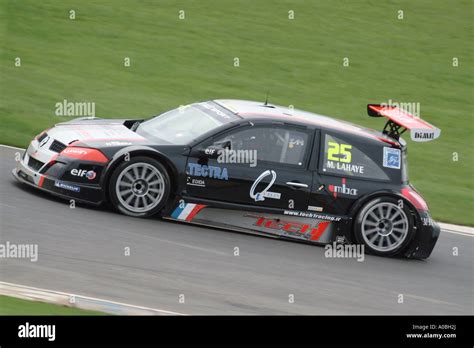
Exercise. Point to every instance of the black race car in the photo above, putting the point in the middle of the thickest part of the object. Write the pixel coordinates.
(247, 166)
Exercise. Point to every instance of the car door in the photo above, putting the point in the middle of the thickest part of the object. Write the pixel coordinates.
(260, 164)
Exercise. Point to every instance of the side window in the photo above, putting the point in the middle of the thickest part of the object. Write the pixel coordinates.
(349, 159)
(269, 144)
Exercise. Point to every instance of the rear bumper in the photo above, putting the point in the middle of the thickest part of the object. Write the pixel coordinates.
(425, 239)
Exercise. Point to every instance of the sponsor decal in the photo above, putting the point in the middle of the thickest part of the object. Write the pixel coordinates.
(343, 189)
(208, 171)
(421, 134)
(74, 151)
(391, 158)
(295, 142)
(260, 196)
(86, 154)
(216, 111)
(66, 186)
(186, 211)
(228, 106)
(209, 151)
(308, 214)
(339, 157)
(307, 231)
(339, 152)
(314, 208)
(117, 143)
(345, 167)
(195, 182)
(83, 173)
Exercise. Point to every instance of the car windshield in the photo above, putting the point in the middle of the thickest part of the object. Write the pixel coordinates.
(183, 125)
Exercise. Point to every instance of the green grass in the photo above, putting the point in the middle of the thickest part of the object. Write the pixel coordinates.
(16, 306)
(298, 61)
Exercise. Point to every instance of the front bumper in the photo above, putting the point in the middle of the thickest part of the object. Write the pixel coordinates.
(425, 239)
(91, 194)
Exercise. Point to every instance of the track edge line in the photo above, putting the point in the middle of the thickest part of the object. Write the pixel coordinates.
(78, 301)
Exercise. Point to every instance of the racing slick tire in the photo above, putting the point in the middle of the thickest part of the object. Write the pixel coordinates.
(139, 187)
(384, 226)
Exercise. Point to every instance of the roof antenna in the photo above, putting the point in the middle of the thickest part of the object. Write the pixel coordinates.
(266, 99)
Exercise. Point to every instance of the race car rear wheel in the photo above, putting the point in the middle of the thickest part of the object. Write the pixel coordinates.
(384, 225)
(139, 187)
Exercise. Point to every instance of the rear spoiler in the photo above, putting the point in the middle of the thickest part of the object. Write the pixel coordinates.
(399, 121)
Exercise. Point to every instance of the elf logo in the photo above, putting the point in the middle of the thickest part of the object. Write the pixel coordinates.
(82, 173)
(343, 189)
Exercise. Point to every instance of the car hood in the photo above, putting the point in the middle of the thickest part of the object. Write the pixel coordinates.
(96, 132)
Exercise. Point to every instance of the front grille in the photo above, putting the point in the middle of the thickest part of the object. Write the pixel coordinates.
(42, 136)
(35, 164)
(57, 146)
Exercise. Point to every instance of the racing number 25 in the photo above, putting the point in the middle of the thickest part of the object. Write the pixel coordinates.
(339, 152)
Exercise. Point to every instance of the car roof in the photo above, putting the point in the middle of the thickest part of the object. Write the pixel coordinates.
(258, 110)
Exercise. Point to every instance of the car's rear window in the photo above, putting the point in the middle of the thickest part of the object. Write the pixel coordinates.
(351, 159)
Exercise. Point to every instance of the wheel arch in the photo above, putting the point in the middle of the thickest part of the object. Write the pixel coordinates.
(357, 206)
(135, 151)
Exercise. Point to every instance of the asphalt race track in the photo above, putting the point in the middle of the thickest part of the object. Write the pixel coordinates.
(81, 251)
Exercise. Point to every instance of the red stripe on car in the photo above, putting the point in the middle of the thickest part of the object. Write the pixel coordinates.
(319, 231)
(193, 212)
(85, 154)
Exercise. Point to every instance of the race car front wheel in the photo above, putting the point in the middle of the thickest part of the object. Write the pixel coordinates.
(384, 225)
(139, 187)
